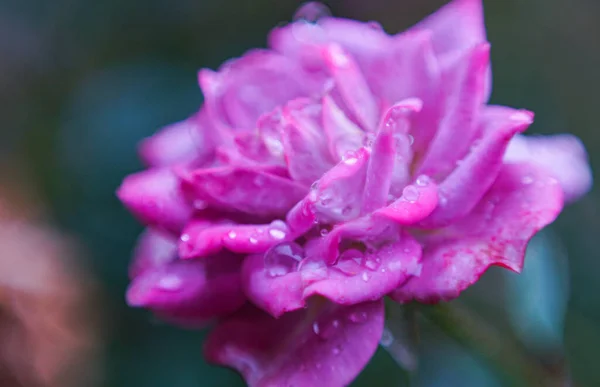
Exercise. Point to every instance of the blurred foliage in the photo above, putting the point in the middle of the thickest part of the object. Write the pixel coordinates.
(81, 82)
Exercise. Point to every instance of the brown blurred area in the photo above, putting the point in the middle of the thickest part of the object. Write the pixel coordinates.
(48, 335)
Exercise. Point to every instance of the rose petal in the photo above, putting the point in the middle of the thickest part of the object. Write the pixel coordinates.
(474, 175)
(342, 134)
(155, 197)
(190, 292)
(305, 146)
(337, 196)
(324, 345)
(377, 273)
(204, 239)
(181, 142)
(562, 155)
(249, 191)
(274, 294)
(458, 128)
(391, 155)
(521, 201)
(352, 85)
(153, 250)
(450, 42)
(416, 203)
(247, 87)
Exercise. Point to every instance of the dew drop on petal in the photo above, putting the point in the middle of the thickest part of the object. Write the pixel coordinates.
(351, 161)
(170, 283)
(358, 317)
(386, 338)
(311, 12)
(365, 276)
(336, 350)
(276, 234)
(347, 210)
(232, 235)
(312, 270)
(316, 328)
(323, 232)
(185, 237)
(423, 180)
(527, 180)
(200, 204)
(253, 240)
(410, 193)
(283, 258)
(374, 25)
(371, 262)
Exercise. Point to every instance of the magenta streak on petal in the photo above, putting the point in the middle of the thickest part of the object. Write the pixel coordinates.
(352, 85)
(458, 128)
(522, 200)
(342, 134)
(324, 345)
(418, 201)
(462, 190)
(153, 249)
(155, 197)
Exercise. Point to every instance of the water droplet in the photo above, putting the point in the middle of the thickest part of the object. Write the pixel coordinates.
(350, 262)
(276, 234)
(386, 338)
(527, 180)
(351, 161)
(336, 350)
(411, 140)
(325, 199)
(365, 276)
(347, 210)
(443, 200)
(338, 56)
(383, 270)
(423, 180)
(259, 181)
(410, 193)
(311, 12)
(283, 259)
(314, 185)
(253, 240)
(232, 234)
(312, 270)
(358, 317)
(185, 237)
(323, 232)
(170, 283)
(371, 262)
(369, 140)
(375, 25)
(316, 328)
(200, 204)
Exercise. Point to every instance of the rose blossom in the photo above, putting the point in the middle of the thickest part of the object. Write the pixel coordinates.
(339, 166)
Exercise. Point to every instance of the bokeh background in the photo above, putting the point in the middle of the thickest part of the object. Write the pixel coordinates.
(81, 82)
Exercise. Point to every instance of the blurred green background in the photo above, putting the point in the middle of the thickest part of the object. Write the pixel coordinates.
(81, 82)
